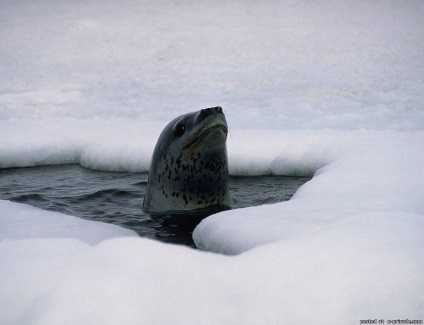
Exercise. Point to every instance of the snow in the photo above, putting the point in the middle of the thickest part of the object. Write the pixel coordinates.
(330, 89)
(20, 222)
(133, 281)
(380, 172)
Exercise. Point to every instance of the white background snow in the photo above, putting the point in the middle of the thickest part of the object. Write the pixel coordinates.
(326, 88)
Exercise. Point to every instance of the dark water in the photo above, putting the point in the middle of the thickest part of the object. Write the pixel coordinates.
(117, 197)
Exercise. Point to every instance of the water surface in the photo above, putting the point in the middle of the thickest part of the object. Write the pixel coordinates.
(117, 197)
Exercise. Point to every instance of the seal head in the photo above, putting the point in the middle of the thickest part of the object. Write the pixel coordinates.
(189, 166)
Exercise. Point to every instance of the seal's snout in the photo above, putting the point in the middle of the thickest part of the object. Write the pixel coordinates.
(212, 110)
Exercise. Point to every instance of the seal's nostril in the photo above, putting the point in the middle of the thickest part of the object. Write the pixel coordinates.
(218, 109)
(212, 110)
(206, 111)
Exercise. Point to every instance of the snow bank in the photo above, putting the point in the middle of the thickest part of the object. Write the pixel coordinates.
(19, 221)
(320, 279)
(380, 172)
(127, 145)
(104, 144)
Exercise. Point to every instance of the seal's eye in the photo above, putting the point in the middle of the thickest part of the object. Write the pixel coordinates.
(179, 130)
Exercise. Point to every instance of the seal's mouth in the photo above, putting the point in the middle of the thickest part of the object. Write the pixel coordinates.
(205, 133)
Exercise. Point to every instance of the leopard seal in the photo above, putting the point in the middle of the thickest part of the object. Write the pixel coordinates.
(189, 166)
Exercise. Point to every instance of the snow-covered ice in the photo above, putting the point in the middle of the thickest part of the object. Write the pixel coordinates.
(20, 221)
(327, 88)
(380, 172)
